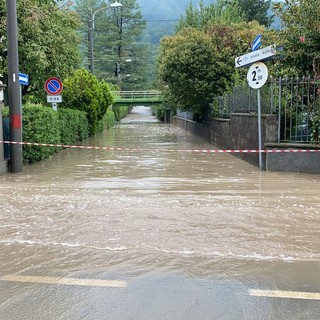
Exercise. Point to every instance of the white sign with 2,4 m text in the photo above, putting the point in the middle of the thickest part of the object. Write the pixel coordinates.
(54, 99)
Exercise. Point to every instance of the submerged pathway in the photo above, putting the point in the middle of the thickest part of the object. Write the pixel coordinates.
(140, 114)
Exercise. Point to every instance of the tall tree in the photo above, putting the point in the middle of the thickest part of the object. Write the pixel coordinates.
(118, 41)
(48, 42)
(128, 47)
(195, 66)
(257, 10)
(83, 9)
(300, 35)
(223, 11)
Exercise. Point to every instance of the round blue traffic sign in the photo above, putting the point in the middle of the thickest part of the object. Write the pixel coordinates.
(53, 86)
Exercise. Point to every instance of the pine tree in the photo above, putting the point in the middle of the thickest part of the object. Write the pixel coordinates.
(118, 50)
(223, 11)
(256, 10)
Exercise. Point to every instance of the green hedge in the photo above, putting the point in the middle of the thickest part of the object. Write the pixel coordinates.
(107, 121)
(158, 111)
(74, 125)
(41, 124)
(121, 111)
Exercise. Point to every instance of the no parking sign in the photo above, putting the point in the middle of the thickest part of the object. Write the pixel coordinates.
(53, 86)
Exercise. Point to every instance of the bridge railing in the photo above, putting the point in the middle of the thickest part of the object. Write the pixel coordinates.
(147, 94)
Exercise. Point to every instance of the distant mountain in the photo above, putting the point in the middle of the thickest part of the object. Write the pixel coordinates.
(163, 15)
(173, 9)
(165, 9)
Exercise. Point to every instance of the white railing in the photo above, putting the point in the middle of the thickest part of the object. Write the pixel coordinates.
(147, 94)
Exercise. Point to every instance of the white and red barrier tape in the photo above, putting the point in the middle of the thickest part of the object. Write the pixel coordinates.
(65, 146)
(167, 150)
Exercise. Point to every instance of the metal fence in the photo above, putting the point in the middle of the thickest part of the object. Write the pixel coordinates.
(296, 101)
(241, 100)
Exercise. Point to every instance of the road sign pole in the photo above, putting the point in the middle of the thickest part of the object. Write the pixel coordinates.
(260, 130)
(257, 76)
(15, 110)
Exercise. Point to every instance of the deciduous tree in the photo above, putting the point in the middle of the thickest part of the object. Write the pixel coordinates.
(84, 92)
(193, 69)
(48, 42)
(300, 35)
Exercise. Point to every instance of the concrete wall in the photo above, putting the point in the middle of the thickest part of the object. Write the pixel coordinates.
(241, 132)
(238, 132)
(306, 162)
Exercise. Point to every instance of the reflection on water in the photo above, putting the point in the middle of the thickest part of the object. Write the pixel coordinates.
(132, 212)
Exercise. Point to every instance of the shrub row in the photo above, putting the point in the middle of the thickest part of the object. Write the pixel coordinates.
(41, 124)
(121, 111)
(107, 121)
(159, 111)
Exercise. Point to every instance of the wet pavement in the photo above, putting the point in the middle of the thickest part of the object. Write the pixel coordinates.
(149, 231)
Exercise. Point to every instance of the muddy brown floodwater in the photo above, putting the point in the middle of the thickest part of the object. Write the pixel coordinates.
(155, 232)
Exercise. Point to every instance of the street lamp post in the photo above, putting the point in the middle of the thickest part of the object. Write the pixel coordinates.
(91, 28)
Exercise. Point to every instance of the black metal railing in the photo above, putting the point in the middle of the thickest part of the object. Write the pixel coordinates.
(296, 101)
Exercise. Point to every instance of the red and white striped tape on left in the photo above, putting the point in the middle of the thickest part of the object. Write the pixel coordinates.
(65, 146)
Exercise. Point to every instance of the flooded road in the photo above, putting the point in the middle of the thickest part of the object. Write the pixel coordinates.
(150, 231)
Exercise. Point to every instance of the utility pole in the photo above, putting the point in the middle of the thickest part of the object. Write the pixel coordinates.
(90, 36)
(14, 90)
(118, 75)
(91, 17)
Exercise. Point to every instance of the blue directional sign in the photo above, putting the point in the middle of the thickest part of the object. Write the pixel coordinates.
(256, 43)
(23, 79)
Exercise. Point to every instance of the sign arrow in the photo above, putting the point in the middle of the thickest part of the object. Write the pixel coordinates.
(239, 60)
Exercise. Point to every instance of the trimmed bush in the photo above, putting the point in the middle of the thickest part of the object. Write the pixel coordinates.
(74, 125)
(41, 125)
(158, 111)
(121, 111)
(84, 92)
(107, 121)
